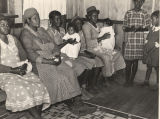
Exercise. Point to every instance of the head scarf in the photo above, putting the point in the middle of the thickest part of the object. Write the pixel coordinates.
(28, 13)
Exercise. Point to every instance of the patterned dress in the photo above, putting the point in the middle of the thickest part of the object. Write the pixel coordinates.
(135, 40)
(56, 35)
(150, 50)
(23, 92)
(60, 80)
(109, 68)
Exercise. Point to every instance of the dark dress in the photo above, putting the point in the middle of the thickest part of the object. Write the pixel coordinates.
(151, 52)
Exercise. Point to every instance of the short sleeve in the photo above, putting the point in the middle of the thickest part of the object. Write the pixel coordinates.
(66, 36)
(125, 22)
(147, 20)
(77, 37)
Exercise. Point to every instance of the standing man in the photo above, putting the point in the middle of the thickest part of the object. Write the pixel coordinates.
(136, 21)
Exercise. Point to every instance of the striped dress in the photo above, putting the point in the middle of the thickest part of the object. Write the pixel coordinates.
(135, 40)
(61, 81)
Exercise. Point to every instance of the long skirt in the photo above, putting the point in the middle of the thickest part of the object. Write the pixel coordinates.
(111, 63)
(60, 81)
(81, 63)
(23, 92)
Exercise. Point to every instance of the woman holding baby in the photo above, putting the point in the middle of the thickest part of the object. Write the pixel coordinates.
(59, 78)
(113, 60)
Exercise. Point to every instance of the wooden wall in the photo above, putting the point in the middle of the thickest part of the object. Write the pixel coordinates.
(114, 9)
(3, 6)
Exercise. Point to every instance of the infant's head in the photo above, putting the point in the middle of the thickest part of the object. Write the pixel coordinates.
(71, 29)
(108, 22)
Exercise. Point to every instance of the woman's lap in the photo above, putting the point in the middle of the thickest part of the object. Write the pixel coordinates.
(60, 81)
(23, 92)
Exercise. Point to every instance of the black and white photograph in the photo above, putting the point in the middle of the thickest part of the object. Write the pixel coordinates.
(79, 59)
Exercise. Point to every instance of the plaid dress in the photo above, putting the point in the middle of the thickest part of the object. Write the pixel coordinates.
(135, 40)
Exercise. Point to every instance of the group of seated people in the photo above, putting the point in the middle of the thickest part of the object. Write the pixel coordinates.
(45, 67)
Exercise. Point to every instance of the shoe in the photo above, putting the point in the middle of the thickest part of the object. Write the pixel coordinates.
(155, 87)
(127, 84)
(92, 91)
(85, 95)
(88, 94)
(145, 83)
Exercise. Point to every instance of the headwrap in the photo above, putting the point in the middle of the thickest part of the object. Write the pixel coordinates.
(28, 13)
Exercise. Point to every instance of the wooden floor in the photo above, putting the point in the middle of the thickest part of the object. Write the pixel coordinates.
(137, 100)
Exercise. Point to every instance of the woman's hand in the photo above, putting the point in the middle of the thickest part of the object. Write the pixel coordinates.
(105, 36)
(19, 70)
(55, 61)
(71, 41)
(56, 53)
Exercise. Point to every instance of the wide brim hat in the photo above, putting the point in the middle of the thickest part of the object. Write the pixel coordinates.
(92, 9)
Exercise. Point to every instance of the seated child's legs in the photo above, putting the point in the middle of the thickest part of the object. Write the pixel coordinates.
(157, 73)
(148, 73)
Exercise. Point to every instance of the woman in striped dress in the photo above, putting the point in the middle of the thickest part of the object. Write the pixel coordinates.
(59, 78)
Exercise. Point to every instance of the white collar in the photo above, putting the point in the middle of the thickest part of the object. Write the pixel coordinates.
(155, 28)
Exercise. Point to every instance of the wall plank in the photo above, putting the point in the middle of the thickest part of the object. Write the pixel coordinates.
(3, 6)
(114, 9)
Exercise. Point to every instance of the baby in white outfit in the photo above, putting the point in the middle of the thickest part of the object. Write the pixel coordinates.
(71, 50)
(106, 44)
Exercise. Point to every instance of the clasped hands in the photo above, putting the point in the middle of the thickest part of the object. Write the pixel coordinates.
(56, 60)
(71, 41)
(21, 70)
(105, 36)
(134, 29)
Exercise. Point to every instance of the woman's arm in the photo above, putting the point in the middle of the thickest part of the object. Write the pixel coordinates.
(33, 56)
(22, 53)
(28, 45)
(4, 69)
(16, 70)
(105, 36)
(87, 35)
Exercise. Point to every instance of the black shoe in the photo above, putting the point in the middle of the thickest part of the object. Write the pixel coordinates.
(145, 83)
(127, 84)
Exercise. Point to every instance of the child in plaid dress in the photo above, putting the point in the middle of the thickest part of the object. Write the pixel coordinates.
(151, 49)
(136, 21)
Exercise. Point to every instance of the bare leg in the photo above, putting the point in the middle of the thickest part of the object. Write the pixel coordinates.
(128, 72)
(134, 71)
(39, 109)
(94, 74)
(34, 112)
(148, 73)
(157, 73)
